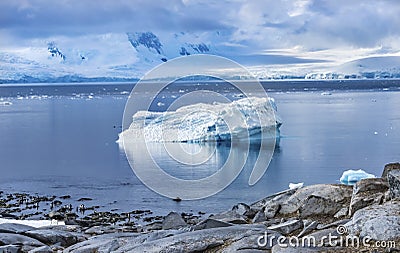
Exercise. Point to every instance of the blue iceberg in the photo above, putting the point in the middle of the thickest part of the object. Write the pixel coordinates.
(351, 177)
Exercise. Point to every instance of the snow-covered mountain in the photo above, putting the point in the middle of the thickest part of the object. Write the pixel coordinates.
(123, 57)
(365, 68)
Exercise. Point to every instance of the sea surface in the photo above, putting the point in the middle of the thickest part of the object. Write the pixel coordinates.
(60, 139)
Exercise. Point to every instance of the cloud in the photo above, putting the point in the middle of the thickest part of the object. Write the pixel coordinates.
(256, 24)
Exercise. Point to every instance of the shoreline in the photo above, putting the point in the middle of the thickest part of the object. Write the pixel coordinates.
(369, 209)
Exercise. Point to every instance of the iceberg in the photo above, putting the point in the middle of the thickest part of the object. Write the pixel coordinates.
(245, 118)
(350, 177)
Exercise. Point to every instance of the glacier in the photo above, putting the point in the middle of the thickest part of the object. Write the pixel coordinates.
(249, 117)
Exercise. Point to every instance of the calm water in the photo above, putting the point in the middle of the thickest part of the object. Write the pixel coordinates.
(60, 139)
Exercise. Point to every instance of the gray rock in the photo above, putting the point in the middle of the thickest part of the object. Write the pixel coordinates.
(272, 204)
(259, 217)
(377, 217)
(382, 228)
(196, 241)
(368, 192)
(95, 245)
(337, 196)
(211, 223)
(49, 237)
(341, 213)
(10, 249)
(102, 243)
(279, 249)
(250, 243)
(15, 239)
(278, 197)
(394, 183)
(43, 249)
(14, 228)
(287, 227)
(241, 208)
(389, 167)
(172, 221)
(230, 217)
(315, 206)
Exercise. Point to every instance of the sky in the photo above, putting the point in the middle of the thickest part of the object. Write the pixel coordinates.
(321, 29)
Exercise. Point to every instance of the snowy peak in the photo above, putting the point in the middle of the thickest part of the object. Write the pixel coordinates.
(146, 39)
(152, 48)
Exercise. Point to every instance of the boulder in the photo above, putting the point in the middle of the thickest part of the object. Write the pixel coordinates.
(14, 228)
(10, 248)
(389, 167)
(332, 197)
(368, 192)
(385, 228)
(43, 249)
(172, 221)
(393, 177)
(230, 216)
(49, 237)
(200, 240)
(211, 223)
(379, 222)
(280, 249)
(15, 239)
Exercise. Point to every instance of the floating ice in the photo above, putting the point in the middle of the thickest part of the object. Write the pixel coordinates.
(243, 118)
(33, 223)
(353, 176)
(293, 186)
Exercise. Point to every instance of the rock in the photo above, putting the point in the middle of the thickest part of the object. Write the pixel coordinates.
(289, 249)
(102, 243)
(230, 216)
(393, 177)
(381, 218)
(197, 241)
(287, 227)
(15, 239)
(341, 213)
(43, 249)
(211, 223)
(385, 228)
(49, 237)
(14, 228)
(272, 204)
(172, 221)
(259, 217)
(367, 192)
(389, 167)
(10, 249)
(332, 197)
(318, 206)
(241, 208)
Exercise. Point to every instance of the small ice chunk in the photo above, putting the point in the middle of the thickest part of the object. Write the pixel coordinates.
(160, 104)
(375, 133)
(293, 186)
(353, 176)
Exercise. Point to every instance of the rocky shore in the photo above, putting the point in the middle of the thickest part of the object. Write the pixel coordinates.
(317, 218)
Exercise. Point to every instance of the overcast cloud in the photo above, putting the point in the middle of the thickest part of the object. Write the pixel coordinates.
(265, 24)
